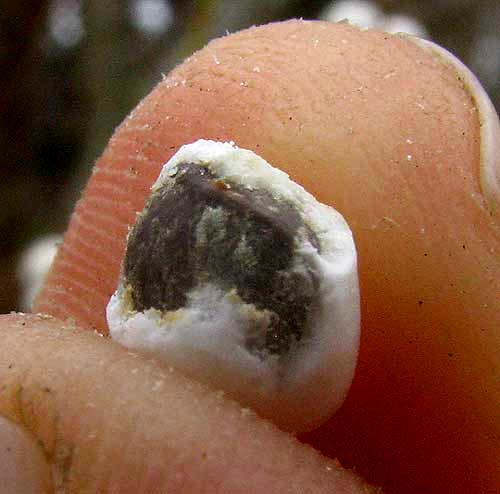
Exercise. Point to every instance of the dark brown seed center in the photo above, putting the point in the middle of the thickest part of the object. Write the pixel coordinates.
(199, 229)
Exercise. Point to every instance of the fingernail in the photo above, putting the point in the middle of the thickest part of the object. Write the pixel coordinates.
(489, 172)
(23, 467)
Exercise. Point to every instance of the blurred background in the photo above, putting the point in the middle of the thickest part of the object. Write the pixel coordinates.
(71, 70)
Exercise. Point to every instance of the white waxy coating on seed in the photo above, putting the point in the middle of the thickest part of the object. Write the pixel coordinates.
(206, 338)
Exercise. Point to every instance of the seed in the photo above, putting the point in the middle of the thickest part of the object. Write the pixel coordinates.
(240, 278)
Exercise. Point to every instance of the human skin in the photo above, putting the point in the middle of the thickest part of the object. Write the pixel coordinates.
(109, 420)
(390, 136)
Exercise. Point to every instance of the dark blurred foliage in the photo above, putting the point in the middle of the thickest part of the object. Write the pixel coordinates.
(71, 70)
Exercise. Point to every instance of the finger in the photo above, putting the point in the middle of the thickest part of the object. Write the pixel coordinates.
(387, 133)
(109, 420)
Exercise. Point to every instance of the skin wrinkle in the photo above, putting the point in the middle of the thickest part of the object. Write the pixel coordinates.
(79, 255)
(81, 272)
(79, 289)
(90, 225)
(113, 199)
(25, 413)
(99, 218)
(92, 255)
(77, 258)
(66, 278)
(61, 294)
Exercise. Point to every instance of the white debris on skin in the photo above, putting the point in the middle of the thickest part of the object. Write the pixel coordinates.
(207, 338)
